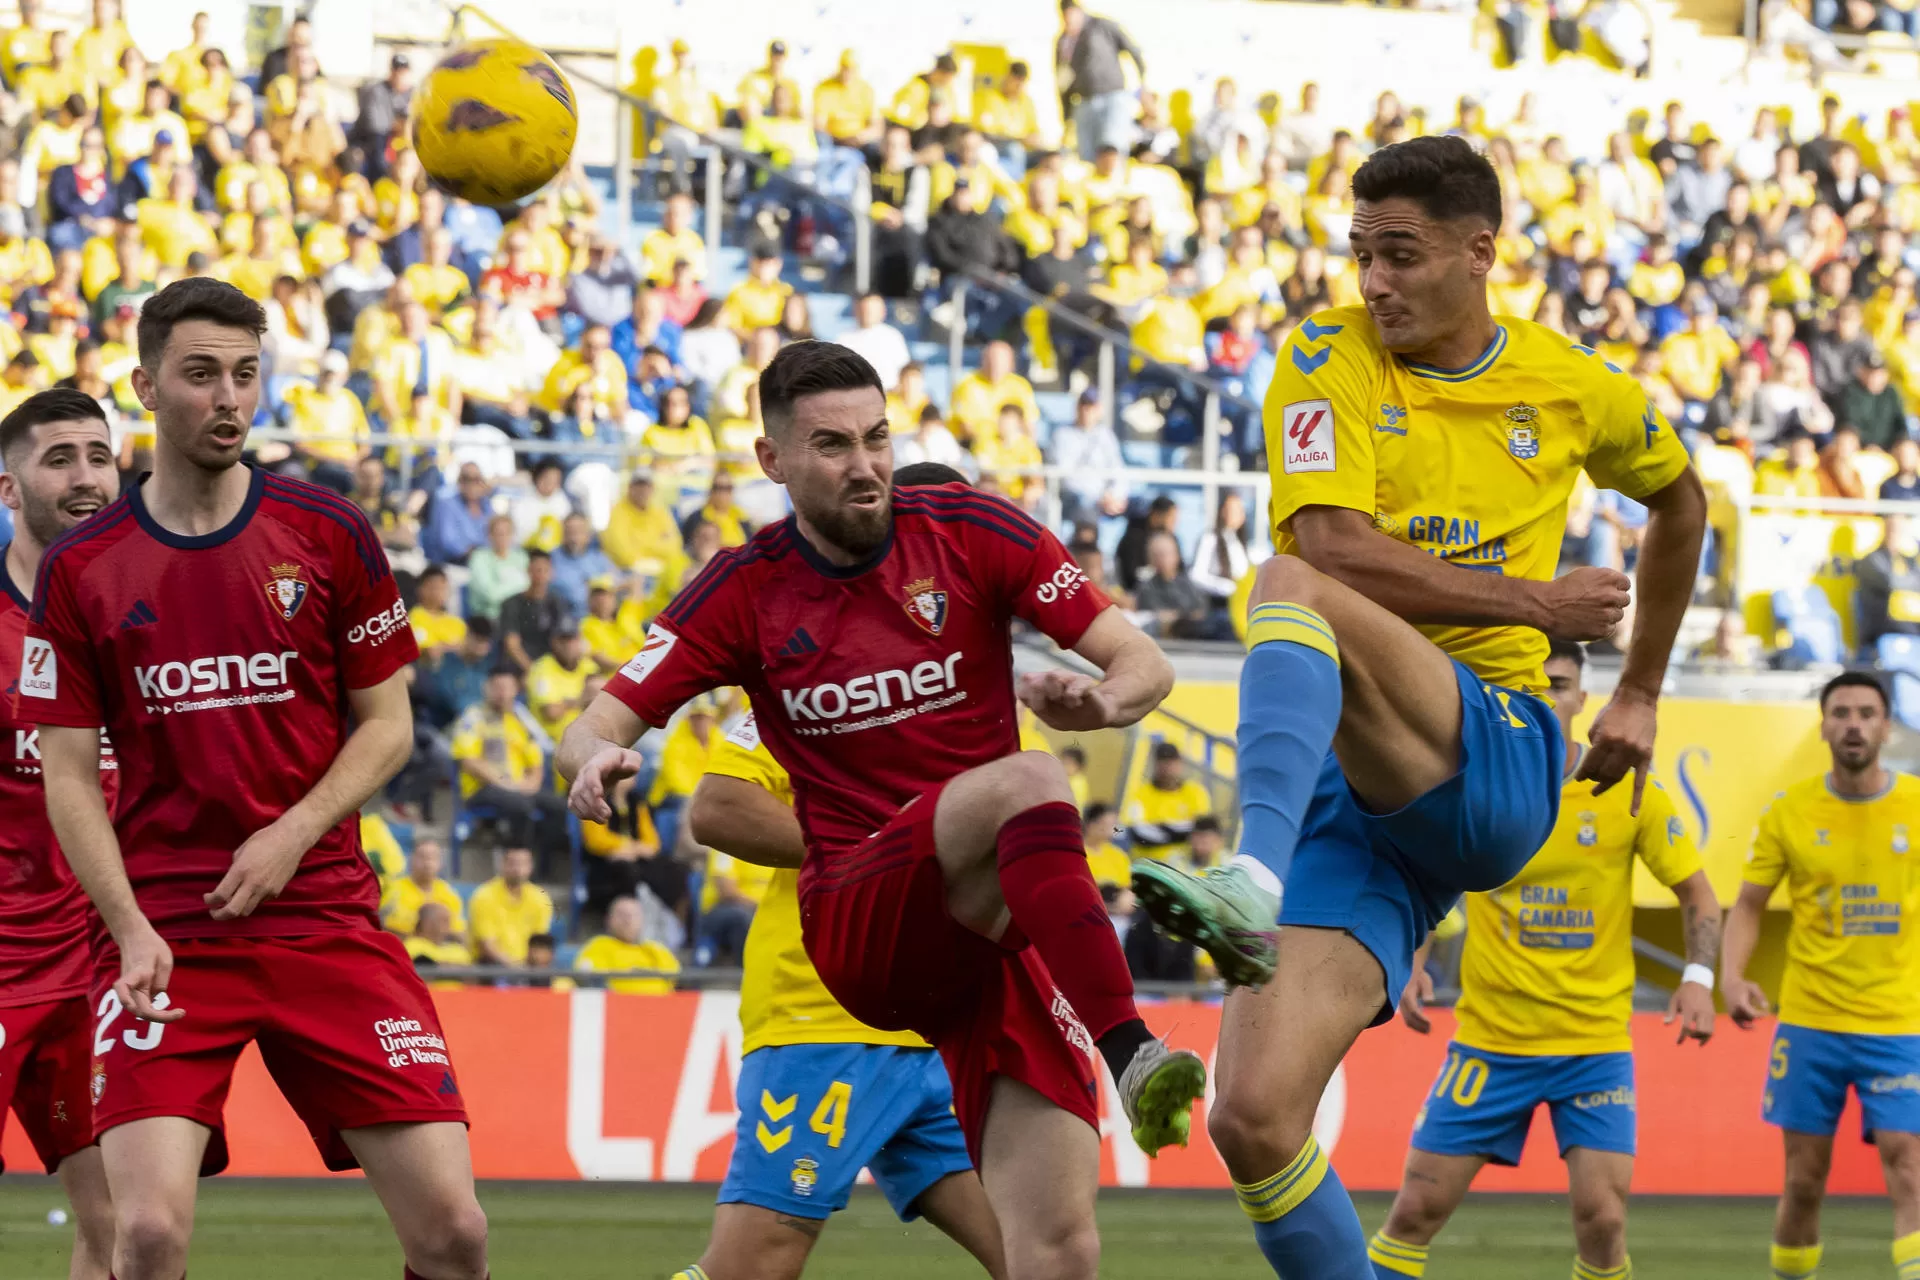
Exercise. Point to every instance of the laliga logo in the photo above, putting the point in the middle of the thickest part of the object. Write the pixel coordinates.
(380, 625)
(1066, 580)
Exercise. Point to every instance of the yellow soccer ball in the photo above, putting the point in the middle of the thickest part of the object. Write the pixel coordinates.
(494, 122)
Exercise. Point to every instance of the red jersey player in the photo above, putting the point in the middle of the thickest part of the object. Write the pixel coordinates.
(222, 624)
(946, 888)
(59, 471)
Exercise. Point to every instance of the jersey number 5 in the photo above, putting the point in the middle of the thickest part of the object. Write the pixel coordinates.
(111, 1008)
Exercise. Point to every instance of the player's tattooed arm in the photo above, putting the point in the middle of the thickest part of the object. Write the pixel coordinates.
(1692, 1002)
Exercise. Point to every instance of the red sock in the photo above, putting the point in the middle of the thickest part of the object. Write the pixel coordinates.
(1050, 891)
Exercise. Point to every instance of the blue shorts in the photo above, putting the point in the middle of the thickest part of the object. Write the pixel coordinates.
(813, 1115)
(1483, 1103)
(1808, 1073)
(1387, 878)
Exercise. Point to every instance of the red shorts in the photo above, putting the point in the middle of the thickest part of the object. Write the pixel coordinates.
(44, 1050)
(877, 928)
(345, 1027)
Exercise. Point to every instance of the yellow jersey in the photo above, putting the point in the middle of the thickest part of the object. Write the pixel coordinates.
(1471, 465)
(434, 627)
(1161, 818)
(1110, 864)
(501, 742)
(1548, 966)
(383, 850)
(1852, 964)
(662, 248)
(452, 953)
(550, 680)
(749, 877)
(782, 1000)
(508, 922)
(683, 758)
(400, 904)
(607, 954)
(753, 305)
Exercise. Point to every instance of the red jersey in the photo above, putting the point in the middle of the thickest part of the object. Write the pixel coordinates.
(219, 665)
(873, 682)
(43, 911)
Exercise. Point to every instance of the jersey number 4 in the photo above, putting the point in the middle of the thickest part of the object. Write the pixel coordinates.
(144, 1038)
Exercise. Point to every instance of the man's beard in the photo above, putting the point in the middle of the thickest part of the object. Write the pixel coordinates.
(44, 521)
(858, 531)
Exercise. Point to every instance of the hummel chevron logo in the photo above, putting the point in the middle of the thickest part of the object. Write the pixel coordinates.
(1315, 332)
(799, 643)
(1309, 362)
(141, 615)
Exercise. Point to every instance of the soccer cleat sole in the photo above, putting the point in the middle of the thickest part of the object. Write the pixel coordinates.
(1243, 958)
(1166, 1103)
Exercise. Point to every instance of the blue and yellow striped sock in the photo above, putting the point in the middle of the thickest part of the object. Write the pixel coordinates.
(1796, 1262)
(1289, 709)
(1394, 1258)
(1906, 1257)
(1584, 1270)
(694, 1272)
(1304, 1223)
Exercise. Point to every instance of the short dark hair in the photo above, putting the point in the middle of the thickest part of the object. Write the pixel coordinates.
(810, 367)
(1207, 822)
(1094, 812)
(1568, 651)
(542, 940)
(505, 669)
(1855, 680)
(433, 571)
(538, 553)
(61, 404)
(195, 298)
(926, 473)
(1166, 751)
(1445, 176)
(480, 628)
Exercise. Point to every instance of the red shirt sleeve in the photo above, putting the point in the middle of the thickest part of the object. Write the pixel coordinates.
(59, 674)
(1036, 576)
(703, 640)
(371, 634)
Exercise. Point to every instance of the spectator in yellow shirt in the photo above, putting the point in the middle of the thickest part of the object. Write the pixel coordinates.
(909, 106)
(1008, 451)
(641, 535)
(435, 943)
(682, 760)
(59, 77)
(608, 643)
(1657, 282)
(509, 909)
(170, 224)
(624, 947)
(182, 65)
(728, 899)
(1171, 329)
(1108, 861)
(101, 45)
(1699, 357)
(979, 397)
(758, 301)
(383, 850)
(1005, 114)
(844, 107)
(254, 272)
(436, 283)
(1074, 761)
(720, 512)
(558, 678)
(435, 630)
(1792, 473)
(400, 904)
(594, 365)
(757, 86)
(1160, 811)
(25, 45)
(675, 240)
(420, 356)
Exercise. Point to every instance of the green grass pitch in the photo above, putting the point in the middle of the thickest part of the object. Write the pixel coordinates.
(331, 1230)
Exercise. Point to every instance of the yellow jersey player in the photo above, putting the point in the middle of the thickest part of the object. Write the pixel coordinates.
(821, 1096)
(1393, 750)
(1546, 994)
(1850, 998)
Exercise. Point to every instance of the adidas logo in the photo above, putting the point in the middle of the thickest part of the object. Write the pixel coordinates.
(447, 1086)
(141, 615)
(800, 642)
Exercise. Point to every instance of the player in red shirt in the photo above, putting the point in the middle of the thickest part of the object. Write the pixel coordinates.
(871, 631)
(222, 624)
(59, 471)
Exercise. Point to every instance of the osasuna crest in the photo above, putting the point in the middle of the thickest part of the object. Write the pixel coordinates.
(1523, 439)
(287, 590)
(927, 605)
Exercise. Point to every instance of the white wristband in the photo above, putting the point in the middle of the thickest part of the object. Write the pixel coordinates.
(1699, 973)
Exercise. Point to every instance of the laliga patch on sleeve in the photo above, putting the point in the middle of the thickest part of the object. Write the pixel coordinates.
(746, 734)
(660, 642)
(39, 670)
(1307, 427)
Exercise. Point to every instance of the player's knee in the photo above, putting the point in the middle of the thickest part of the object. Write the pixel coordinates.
(1805, 1184)
(153, 1236)
(1600, 1225)
(1256, 1137)
(1417, 1214)
(1064, 1251)
(93, 1235)
(1286, 578)
(1032, 778)
(454, 1242)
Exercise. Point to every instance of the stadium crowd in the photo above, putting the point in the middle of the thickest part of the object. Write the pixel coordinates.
(577, 413)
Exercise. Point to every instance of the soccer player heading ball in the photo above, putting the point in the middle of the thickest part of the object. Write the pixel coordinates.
(222, 623)
(1393, 749)
(946, 888)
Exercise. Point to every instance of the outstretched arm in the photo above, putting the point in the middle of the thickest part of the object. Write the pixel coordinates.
(596, 752)
(1342, 543)
(1136, 677)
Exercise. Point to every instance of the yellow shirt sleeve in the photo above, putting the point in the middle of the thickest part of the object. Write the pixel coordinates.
(742, 755)
(1635, 449)
(1767, 859)
(1660, 839)
(1318, 417)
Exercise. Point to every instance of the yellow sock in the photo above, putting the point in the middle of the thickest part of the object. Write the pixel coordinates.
(1796, 1262)
(1584, 1270)
(1278, 620)
(694, 1272)
(1388, 1254)
(1273, 1198)
(1906, 1256)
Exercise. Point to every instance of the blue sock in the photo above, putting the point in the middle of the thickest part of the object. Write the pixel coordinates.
(1304, 1221)
(1289, 709)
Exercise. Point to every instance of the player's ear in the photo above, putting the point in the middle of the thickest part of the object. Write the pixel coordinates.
(143, 387)
(1482, 249)
(768, 453)
(9, 491)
